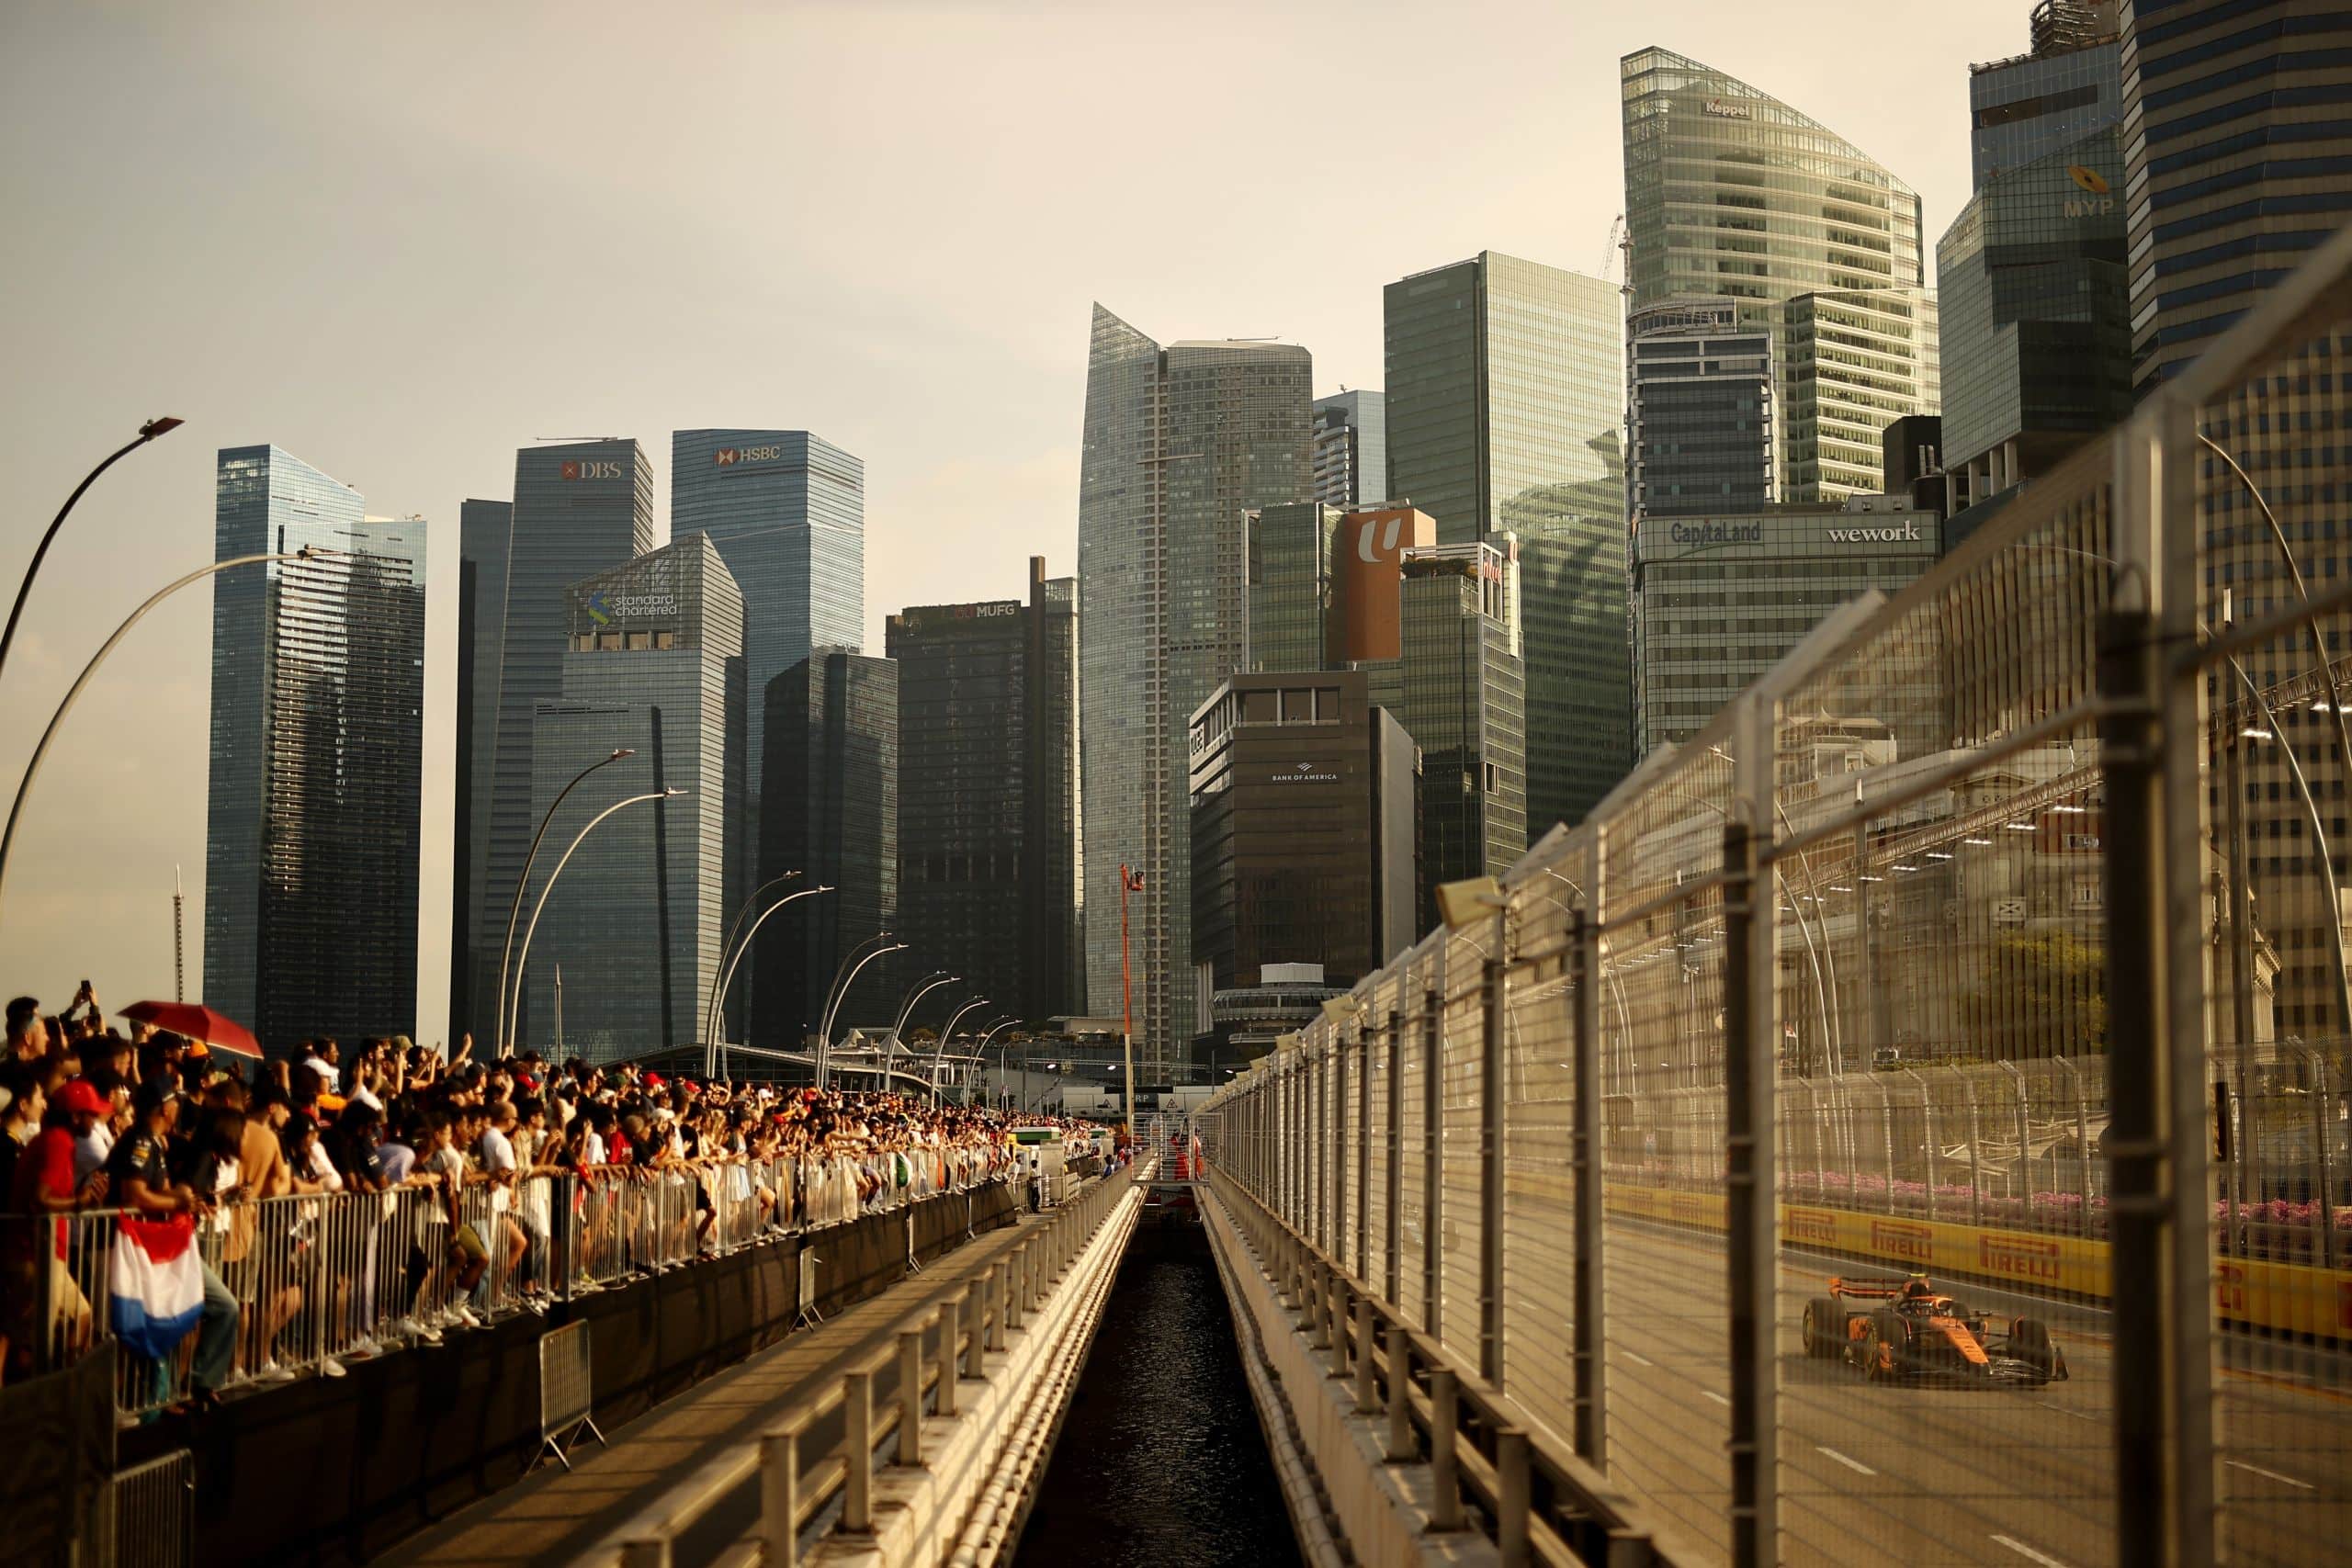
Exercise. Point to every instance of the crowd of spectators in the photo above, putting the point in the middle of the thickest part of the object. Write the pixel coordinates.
(99, 1122)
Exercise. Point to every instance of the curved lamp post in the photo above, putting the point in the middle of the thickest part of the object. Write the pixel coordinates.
(513, 1018)
(726, 976)
(41, 749)
(841, 993)
(514, 909)
(726, 947)
(922, 988)
(147, 431)
(940, 1052)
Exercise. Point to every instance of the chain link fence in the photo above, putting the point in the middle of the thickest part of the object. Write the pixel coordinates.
(1910, 1118)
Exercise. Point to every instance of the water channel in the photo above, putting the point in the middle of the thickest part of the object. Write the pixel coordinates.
(1161, 1460)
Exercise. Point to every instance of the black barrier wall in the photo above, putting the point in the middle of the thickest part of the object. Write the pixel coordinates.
(339, 1470)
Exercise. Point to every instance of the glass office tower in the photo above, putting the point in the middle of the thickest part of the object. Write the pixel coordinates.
(1180, 446)
(579, 509)
(988, 796)
(1505, 388)
(653, 660)
(2233, 167)
(831, 813)
(485, 529)
(1699, 411)
(1350, 448)
(1730, 193)
(2027, 108)
(787, 510)
(316, 757)
(1290, 585)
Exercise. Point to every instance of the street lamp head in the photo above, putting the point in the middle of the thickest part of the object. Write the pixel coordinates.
(674, 792)
(162, 425)
(620, 751)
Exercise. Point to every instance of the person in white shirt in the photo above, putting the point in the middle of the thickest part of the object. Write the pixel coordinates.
(497, 1151)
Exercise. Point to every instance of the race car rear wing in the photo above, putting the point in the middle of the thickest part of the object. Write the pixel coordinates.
(1884, 1288)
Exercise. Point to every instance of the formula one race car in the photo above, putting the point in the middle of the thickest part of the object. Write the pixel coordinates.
(1896, 1329)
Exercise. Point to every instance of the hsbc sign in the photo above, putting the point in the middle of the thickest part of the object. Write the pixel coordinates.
(732, 457)
(594, 470)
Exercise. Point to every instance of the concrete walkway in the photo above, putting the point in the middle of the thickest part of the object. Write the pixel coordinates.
(552, 1515)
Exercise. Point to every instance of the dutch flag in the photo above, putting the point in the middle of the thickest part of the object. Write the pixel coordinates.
(158, 1288)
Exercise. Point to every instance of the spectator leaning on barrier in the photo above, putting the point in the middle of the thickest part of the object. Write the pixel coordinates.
(139, 1169)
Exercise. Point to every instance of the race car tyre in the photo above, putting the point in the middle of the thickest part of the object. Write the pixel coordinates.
(1887, 1344)
(2030, 1342)
(1825, 1329)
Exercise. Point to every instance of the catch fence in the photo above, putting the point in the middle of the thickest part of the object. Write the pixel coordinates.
(1994, 937)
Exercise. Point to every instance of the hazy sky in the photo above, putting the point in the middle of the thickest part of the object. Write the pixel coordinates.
(401, 240)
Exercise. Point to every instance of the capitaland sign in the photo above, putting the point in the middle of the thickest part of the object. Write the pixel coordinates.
(1716, 533)
(591, 470)
(734, 456)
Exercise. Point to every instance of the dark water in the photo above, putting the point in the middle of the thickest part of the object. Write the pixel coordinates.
(1161, 1460)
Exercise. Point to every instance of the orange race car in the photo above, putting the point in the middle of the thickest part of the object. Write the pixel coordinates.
(1897, 1329)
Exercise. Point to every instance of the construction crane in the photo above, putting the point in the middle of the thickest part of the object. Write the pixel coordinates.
(1617, 239)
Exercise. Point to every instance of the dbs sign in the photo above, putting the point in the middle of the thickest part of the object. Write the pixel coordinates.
(1366, 621)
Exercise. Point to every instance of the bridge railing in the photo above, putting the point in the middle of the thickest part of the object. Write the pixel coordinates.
(1994, 936)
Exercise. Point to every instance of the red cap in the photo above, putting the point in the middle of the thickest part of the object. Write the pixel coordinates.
(79, 1096)
(654, 1080)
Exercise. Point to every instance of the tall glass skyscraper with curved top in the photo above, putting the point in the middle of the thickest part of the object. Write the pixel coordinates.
(1732, 194)
(1180, 444)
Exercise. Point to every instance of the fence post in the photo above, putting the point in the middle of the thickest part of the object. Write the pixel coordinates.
(1336, 1210)
(1445, 1505)
(1343, 1311)
(910, 1396)
(1364, 1154)
(1367, 1398)
(2151, 750)
(1750, 1035)
(992, 1305)
(1494, 1029)
(780, 1497)
(1394, 1241)
(1514, 1497)
(1591, 1392)
(950, 1353)
(1432, 1160)
(1402, 1449)
(857, 1451)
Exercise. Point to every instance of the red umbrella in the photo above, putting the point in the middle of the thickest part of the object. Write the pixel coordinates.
(197, 1023)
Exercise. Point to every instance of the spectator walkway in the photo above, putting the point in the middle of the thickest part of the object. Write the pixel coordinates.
(553, 1516)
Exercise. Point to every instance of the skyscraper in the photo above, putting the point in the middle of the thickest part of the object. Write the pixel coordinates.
(485, 529)
(2036, 343)
(1699, 411)
(1350, 448)
(653, 660)
(787, 510)
(831, 813)
(988, 794)
(1730, 193)
(579, 509)
(1290, 585)
(1505, 388)
(2236, 150)
(2232, 168)
(1180, 445)
(316, 772)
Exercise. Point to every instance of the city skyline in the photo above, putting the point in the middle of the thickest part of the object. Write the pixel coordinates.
(432, 404)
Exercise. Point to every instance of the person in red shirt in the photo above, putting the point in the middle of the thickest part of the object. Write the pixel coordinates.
(44, 1184)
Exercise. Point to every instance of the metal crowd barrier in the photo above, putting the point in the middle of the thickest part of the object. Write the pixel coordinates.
(1997, 934)
(324, 1279)
(147, 1519)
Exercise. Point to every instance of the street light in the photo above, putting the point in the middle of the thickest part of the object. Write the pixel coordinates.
(514, 909)
(726, 976)
(841, 991)
(24, 785)
(514, 1019)
(147, 431)
(726, 947)
(920, 988)
(998, 1027)
(949, 1033)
